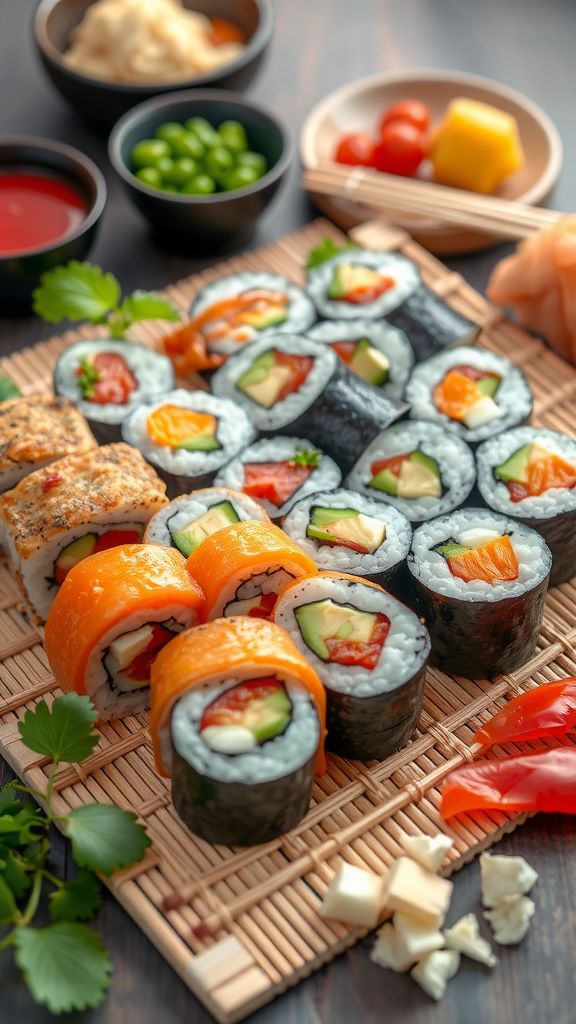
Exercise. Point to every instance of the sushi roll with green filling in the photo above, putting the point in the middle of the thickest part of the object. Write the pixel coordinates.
(376, 352)
(187, 521)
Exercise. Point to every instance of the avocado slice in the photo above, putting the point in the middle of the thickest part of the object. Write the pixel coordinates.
(370, 364)
(260, 320)
(424, 460)
(258, 371)
(326, 620)
(346, 525)
(76, 551)
(516, 467)
(418, 480)
(320, 518)
(200, 443)
(451, 548)
(269, 717)
(215, 518)
(349, 277)
(385, 481)
(488, 386)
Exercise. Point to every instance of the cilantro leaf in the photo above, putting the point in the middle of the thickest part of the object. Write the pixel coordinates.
(80, 291)
(325, 251)
(9, 803)
(8, 389)
(105, 838)
(64, 733)
(148, 306)
(15, 875)
(64, 965)
(18, 829)
(8, 909)
(304, 457)
(76, 900)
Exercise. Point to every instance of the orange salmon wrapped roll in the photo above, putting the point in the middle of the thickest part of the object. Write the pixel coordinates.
(112, 615)
(238, 720)
(242, 568)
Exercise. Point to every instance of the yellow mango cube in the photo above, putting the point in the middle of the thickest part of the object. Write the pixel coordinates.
(475, 147)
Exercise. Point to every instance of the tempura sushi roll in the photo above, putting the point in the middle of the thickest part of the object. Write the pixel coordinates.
(187, 521)
(370, 652)
(241, 569)
(188, 436)
(107, 378)
(76, 507)
(112, 615)
(420, 468)
(238, 721)
(296, 386)
(36, 431)
(280, 471)
(481, 580)
(362, 282)
(529, 475)
(378, 353)
(471, 391)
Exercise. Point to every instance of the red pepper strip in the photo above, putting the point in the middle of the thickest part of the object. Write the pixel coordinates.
(545, 781)
(354, 652)
(548, 710)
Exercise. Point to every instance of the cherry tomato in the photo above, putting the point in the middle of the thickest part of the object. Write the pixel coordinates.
(400, 150)
(413, 111)
(354, 150)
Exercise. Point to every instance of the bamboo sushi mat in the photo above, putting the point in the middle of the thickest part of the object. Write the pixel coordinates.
(262, 902)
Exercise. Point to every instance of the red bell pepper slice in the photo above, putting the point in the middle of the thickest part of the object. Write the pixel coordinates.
(547, 710)
(275, 482)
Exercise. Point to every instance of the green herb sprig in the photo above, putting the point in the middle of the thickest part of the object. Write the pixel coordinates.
(304, 457)
(325, 251)
(64, 965)
(8, 389)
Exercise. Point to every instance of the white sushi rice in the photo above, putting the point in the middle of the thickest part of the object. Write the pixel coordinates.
(454, 458)
(394, 548)
(153, 372)
(188, 508)
(325, 477)
(273, 759)
(432, 569)
(404, 272)
(233, 432)
(405, 650)
(387, 339)
(513, 397)
(498, 450)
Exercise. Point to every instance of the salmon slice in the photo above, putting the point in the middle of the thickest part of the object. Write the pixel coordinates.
(550, 472)
(455, 395)
(492, 563)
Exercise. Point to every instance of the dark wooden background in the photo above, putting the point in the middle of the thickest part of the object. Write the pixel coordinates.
(319, 45)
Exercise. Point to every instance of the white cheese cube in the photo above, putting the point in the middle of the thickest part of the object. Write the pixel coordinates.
(127, 646)
(414, 938)
(483, 411)
(435, 970)
(386, 953)
(416, 892)
(477, 537)
(354, 896)
(464, 936)
(511, 919)
(429, 851)
(504, 876)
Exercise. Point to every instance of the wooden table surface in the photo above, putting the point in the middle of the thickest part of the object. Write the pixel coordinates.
(319, 45)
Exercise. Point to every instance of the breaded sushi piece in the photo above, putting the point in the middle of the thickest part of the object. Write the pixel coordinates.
(76, 507)
(36, 431)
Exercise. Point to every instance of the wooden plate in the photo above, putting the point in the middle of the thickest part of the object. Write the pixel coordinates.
(358, 107)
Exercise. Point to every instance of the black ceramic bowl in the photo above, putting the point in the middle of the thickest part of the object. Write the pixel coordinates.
(103, 103)
(20, 273)
(180, 219)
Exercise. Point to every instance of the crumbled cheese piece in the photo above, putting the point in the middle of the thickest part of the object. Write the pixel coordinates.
(481, 412)
(464, 936)
(412, 890)
(414, 938)
(386, 951)
(429, 851)
(511, 919)
(504, 876)
(435, 970)
(354, 896)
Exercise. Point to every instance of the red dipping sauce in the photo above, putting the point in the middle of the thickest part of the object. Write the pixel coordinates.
(35, 211)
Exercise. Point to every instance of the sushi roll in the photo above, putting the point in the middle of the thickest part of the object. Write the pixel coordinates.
(378, 353)
(107, 378)
(386, 284)
(348, 532)
(529, 475)
(481, 580)
(280, 471)
(76, 507)
(293, 385)
(238, 722)
(189, 520)
(112, 615)
(370, 652)
(188, 436)
(420, 468)
(36, 431)
(242, 568)
(471, 391)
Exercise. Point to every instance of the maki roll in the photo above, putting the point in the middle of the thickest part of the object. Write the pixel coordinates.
(481, 580)
(189, 520)
(114, 612)
(238, 721)
(471, 391)
(370, 652)
(188, 436)
(420, 468)
(280, 471)
(107, 378)
(76, 507)
(529, 475)
(377, 284)
(375, 351)
(36, 431)
(348, 532)
(293, 385)
(235, 310)
(242, 569)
